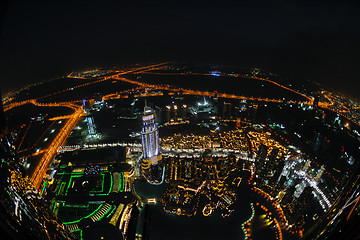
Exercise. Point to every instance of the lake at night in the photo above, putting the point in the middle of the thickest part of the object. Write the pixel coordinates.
(163, 225)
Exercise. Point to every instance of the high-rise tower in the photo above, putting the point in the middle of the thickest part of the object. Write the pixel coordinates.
(150, 139)
(320, 173)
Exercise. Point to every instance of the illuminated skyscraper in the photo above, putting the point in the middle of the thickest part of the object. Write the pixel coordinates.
(307, 165)
(320, 173)
(91, 126)
(150, 138)
(299, 189)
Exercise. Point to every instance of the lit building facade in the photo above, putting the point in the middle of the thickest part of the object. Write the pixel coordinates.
(150, 138)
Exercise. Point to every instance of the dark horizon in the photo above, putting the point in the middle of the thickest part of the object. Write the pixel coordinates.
(317, 41)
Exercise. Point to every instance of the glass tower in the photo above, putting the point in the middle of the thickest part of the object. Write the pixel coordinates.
(150, 134)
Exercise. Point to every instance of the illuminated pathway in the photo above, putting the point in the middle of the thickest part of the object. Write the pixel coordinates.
(338, 108)
(330, 106)
(151, 67)
(52, 150)
(283, 224)
(146, 69)
(247, 223)
(42, 166)
(8, 106)
(71, 105)
(198, 92)
(243, 76)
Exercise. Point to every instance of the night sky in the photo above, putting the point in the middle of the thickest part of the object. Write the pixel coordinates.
(320, 41)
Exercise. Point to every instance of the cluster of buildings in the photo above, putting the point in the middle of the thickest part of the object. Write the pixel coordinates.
(89, 74)
(192, 178)
(293, 184)
(289, 180)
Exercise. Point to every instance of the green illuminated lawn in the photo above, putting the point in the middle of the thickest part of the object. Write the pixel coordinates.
(71, 213)
(102, 185)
